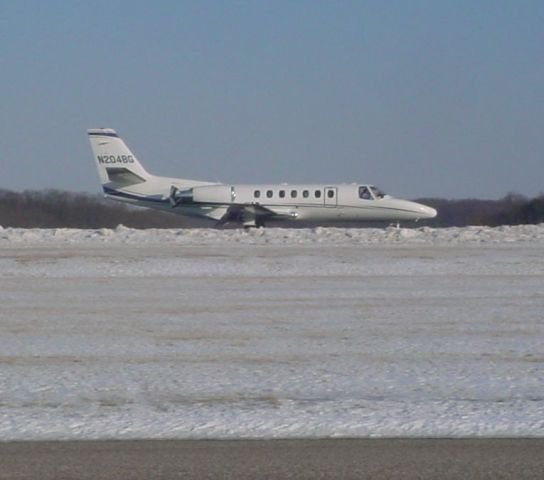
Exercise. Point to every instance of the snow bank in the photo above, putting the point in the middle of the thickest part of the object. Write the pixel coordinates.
(276, 236)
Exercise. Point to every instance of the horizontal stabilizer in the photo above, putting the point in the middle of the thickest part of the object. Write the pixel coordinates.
(123, 177)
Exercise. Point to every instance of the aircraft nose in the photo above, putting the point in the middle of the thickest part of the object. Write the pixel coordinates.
(425, 211)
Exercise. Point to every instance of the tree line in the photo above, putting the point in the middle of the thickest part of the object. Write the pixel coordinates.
(61, 209)
(513, 209)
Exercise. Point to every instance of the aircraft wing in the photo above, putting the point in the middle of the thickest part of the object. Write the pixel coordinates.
(251, 214)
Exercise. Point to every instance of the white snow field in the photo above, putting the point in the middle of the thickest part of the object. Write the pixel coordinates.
(271, 333)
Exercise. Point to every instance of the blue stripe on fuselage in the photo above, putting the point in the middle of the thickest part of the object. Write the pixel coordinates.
(117, 193)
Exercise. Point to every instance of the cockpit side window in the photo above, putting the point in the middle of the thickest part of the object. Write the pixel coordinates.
(364, 193)
(376, 192)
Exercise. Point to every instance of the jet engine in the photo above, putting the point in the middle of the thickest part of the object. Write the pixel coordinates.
(208, 194)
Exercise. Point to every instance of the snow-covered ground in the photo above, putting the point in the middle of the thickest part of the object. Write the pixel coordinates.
(271, 333)
(276, 236)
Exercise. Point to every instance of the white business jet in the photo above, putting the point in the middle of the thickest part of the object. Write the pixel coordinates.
(123, 178)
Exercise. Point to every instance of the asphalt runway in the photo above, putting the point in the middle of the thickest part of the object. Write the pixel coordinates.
(283, 459)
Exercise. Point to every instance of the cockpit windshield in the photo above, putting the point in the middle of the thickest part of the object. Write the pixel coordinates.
(370, 192)
(377, 192)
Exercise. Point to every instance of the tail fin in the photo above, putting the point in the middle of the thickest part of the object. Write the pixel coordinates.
(117, 166)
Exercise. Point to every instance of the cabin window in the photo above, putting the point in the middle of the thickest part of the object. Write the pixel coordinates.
(305, 193)
(318, 194)
(293, 194)
(269, 193)
(257, 193)
(330, 193)
(282, 193)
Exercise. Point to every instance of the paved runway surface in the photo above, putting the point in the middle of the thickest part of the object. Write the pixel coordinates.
(289, 459)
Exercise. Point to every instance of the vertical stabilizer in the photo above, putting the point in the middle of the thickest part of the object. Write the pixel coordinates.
(117, 166)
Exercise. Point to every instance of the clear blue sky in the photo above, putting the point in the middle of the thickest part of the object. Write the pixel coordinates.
(424, 98)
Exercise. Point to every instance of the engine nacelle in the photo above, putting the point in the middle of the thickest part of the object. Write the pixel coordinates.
(178, 196)
(213, 194)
